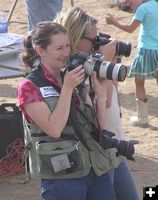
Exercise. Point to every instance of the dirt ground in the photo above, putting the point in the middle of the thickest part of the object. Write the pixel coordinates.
(145, 167)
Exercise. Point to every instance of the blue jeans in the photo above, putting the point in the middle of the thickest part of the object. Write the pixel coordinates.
(42, 10)
(90, 187)
(124, 185)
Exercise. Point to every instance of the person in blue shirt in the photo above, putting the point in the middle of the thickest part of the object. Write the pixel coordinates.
(145, 64)
(39, 10)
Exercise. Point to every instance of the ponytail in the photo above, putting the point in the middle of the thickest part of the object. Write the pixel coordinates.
(29, 56)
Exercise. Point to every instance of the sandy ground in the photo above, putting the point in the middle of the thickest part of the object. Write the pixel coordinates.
(145, 167)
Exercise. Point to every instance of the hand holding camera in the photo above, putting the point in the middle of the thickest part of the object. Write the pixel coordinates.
(125, 148)
(74, 77)
(92, 62)
(122, 48)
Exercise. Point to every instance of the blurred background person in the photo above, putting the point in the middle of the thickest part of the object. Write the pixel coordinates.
(42, 10)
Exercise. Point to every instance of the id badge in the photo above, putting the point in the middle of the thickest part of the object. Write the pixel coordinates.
(60, 162)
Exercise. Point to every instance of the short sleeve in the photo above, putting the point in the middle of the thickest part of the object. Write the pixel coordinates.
(27, 93)
(139, 14)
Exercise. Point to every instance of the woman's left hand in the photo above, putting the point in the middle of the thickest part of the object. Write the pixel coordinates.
(109, 50)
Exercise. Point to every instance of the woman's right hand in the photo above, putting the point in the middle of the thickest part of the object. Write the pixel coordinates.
(74, 77)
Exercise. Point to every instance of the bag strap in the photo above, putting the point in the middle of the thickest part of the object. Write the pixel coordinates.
(74, 118)
(96, 131)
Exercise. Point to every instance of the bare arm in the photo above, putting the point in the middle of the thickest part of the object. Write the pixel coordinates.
(54, 122)
(109, 93)
(109, 51)
(130, 27)
(100, 89)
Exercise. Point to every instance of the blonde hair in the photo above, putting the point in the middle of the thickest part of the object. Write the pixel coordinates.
(78, 24)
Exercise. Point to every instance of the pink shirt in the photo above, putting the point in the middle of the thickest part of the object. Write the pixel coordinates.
(28, 92)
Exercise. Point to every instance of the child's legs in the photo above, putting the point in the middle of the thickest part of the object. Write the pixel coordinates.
(140, 89)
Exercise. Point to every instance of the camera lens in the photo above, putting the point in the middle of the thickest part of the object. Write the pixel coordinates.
(112, 71)
(122, 73)
(103, 69)
(123, 49)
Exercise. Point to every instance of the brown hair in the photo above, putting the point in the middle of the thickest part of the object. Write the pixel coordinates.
(41, 36)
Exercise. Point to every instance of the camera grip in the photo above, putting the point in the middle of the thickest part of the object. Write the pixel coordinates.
(127, 149)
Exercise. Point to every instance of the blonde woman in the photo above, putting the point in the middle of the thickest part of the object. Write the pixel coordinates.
(83, 31)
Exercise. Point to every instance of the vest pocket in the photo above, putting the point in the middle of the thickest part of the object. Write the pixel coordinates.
(60, 159)
(115, 158)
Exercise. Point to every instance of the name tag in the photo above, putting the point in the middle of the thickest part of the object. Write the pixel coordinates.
(60, 162)
(48, 91)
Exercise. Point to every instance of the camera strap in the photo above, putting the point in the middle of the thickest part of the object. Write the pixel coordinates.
(96, 134)
(73, 112)
(75, 123)
(74, 118)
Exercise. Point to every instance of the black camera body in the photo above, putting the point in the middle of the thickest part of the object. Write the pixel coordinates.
(92, 62)
(77, 59)
(125, 148)
(122, 48)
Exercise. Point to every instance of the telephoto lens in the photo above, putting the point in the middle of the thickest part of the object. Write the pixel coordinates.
(122, 48)
(105, 69)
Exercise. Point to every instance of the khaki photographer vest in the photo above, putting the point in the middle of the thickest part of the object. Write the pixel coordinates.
(44, 154)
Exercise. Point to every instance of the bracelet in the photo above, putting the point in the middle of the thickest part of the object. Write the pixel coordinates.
(101, 98)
